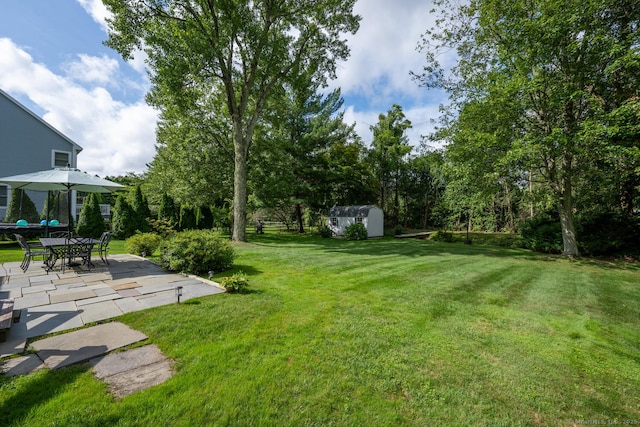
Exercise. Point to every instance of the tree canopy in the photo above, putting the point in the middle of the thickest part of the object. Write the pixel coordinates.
(231, 54)
(540, 83)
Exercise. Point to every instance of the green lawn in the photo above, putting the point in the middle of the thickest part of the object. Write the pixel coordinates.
(384, 332)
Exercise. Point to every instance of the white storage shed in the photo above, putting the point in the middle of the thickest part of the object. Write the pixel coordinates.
(372, 217)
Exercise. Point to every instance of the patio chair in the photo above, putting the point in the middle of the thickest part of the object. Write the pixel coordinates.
(30, 251)
(60, 234)
(103, 247)
(80, 248)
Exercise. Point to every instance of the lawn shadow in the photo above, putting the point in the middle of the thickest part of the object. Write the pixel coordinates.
(422, 247)
(246, 269)
(388, 245)
(36, 391)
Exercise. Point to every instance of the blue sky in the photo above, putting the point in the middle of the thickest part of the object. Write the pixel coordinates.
(52, 60)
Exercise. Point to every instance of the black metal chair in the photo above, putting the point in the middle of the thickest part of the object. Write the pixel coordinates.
(30, 251)
(81, 248)
(60, 234)
(103, 246)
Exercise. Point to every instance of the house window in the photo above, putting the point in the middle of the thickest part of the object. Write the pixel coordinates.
(4, 191)
(359, 220)
(334, 222)
(60, 159)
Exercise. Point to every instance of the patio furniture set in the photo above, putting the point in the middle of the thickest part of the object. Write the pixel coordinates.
(64, 248)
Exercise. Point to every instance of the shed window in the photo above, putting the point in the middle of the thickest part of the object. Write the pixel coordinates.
(359, 220)
(4, 190)
(60, 159)
(334, 221)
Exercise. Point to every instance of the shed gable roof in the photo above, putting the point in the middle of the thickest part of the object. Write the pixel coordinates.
(350, 211)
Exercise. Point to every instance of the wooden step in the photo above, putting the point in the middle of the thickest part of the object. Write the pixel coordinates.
(6, 317)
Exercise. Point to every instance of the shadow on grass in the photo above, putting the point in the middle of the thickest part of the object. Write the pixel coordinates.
(246, 269)
(421, 247)
(387, 245)
(34, 391)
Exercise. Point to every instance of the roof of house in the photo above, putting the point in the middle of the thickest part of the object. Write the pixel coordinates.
(351, 211)
(77, 147)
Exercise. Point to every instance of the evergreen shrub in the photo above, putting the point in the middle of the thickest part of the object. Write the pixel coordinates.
(542, 233)
(90, 223)
(124, 221)
(607, 233)
(197, 252)
(398, 230)
(442, 236)
(325, 232)
(28, 211)
(356, 232)
(144, 244)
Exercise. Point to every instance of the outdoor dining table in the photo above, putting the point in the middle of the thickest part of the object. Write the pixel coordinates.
(66, 249)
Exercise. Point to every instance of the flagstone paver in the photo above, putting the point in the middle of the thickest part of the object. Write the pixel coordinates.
(129, 304)
(22, 365)
(132, 370)
(31, 300)
(129, 285)
(100, 311)
(129, 293)
(59, 301)
(70, 295)
(38, 288)
(97, 299)
(84, 344)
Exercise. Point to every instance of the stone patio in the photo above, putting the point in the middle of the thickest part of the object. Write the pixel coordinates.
(57, 302)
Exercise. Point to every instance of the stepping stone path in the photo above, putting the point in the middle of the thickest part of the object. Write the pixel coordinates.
(125, 372)
(133, 370)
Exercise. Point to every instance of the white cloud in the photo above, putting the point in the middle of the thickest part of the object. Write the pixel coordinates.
(97, 10)
(383, 53)
(116, 137)
(92, 69)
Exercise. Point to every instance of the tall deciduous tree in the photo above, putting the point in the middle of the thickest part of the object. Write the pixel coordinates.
(241, 51)
(557, 66)
(389, 148)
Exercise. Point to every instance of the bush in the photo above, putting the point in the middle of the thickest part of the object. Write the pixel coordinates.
(542, 233)
(144, 244)
(141, 212)
(398, 230)
(197, 252)
(91, 223)
(442, 236)
(187, 218)
(163, 227)
(356, 232)
(235, 283)
(325, 232)
(29, 212)
(607, 233)
(124, 222)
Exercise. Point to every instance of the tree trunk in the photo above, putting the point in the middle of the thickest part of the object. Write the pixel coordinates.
(569, 240)
(239, 233)
(299, 218)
